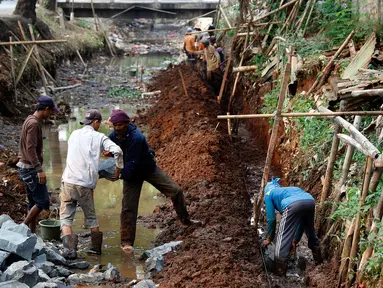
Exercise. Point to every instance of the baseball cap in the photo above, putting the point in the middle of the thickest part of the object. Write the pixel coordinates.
(189, 30)
(48, 102)
(90, 116)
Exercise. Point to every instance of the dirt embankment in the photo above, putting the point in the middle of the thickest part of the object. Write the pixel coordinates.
(223, 252)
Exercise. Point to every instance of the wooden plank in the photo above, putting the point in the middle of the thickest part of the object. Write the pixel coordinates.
(33, 42)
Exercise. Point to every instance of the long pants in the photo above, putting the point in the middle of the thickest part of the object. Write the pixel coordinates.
(131, 196)
(296, 218)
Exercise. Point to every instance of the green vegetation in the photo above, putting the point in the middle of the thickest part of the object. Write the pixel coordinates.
(123, 92)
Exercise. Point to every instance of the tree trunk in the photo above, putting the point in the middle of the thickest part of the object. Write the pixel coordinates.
(26, 9)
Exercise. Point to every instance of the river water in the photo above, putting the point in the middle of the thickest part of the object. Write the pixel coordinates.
(108, 195)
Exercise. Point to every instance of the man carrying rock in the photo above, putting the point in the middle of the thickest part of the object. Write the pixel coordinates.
(80, 176)
(31, 160)
(297, 208)
(140, 166)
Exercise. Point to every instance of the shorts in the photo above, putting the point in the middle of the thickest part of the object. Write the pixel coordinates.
(72, 194)
(37, 193)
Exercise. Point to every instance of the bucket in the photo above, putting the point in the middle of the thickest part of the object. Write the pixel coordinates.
(132, 72)
(50, 229)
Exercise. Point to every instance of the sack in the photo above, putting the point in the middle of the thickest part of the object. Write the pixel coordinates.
(107, 168)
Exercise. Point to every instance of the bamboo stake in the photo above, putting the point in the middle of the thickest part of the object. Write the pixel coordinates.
(22, 31)
(303, 16)
(94, 15)
(13, 69)
(355, 240)
(345, 257)
(225, 17)
(122, 12)
(24, 65)
(327, 69)
(309, 17)
(245, 68)
(304, 114)
(224, 79)
(79, 55)
(274, 11)
(37, 54)
(33, 42)
(183, 83)
(228, 125)
(273, 140)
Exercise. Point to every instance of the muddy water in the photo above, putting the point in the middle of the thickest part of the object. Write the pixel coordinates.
(108, 197)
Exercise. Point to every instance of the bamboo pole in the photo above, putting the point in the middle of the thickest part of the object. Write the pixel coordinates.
(326, 71)
(82, 60)
(264, 41)
(24, 65)
(304, 114)
(183, 83)
(37, 54)
(216, 16)
(122, 12)
(274, 11)
(235, 28)
(33, 42)
(345, 257)
(110, 46)
(228, 125)
(225, 17)
(356, 238)
(369, 93)
(273, 140)
(224, 79)
(13, 69)
(309, 17)
(304, 16)
(94, 15)
(245, 68)
(351, 141)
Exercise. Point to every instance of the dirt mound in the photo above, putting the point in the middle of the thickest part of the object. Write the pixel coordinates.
(13, 199)
(223, 252)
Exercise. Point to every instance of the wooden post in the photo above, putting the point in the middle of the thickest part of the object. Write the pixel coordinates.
(273, 141)
(225, 17)
(44, 80)
(228, 125)
(13, 69)
(309, 17)
(94, 15)
(224, 79)
(345, 257)
(183, 84)
(355, 240)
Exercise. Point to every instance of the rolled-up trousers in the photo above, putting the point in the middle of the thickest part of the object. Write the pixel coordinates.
(131, 196)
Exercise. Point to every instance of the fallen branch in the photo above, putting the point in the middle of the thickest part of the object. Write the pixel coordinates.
(66, 87)
(245, 68)
(368, 93)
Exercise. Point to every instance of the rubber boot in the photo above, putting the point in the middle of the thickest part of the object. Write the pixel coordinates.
(280, 267)
(70, 243)
(317, 255)
(96, 243)
(180, 207)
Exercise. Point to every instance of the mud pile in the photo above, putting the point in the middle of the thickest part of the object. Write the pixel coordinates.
(223, 252)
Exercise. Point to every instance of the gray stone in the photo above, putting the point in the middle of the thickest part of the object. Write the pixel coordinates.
(20, 245)
(156, 262)
(21, 229)
(43, 277)
(24, 272)
(39, 248)
(79, 265)
(54, 257)
(3, 257)
(145, 284)
(46, 285)
(58, 280)
(40, 259)
(46, 266)
(13, 284)
(63, 271)
(112, 274)
(54, 273)
(4, 218)
(85, 278)
(160, 250)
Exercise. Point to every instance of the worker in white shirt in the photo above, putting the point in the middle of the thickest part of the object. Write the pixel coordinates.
(80, 176)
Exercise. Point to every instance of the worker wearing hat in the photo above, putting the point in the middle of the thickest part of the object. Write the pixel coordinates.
(140, 166)
(297, 208)
(80, 176)
(189, 44)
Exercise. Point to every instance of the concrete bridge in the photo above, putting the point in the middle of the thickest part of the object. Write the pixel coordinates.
(180, 9)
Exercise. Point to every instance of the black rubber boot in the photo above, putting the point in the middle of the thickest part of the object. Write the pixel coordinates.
(280, 267)
(70, 243)
(96, 243)
(317, 255)
(180, 207)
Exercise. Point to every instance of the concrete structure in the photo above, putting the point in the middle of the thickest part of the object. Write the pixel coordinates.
(180, 9)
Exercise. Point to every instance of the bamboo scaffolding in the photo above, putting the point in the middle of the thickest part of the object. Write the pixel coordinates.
(309, 17)
(225, 17)
(13, 68)
(356, 238)
(237, 27)
(274, 11)
(326, 71)
(37, 54)
(303, 16)
(304, 114)
(273, 140)
(33, 42)
(264, 41)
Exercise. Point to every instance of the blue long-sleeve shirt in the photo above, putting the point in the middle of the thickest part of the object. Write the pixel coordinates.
(138, 158)
(278, 198)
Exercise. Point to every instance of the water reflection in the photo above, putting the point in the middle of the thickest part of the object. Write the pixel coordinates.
(108, 197)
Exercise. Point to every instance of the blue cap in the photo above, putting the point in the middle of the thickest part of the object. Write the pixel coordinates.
(48, 102)
(272, 184)
(189, 30)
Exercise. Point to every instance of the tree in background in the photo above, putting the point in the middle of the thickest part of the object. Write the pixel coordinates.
(26, 9)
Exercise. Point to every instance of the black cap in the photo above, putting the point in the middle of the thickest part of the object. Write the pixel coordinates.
(90, 116)
(48, 102)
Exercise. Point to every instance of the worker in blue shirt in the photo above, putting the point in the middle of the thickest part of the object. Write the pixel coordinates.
(297, 209)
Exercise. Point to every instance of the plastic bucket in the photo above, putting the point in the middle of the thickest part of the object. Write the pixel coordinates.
(50, 229)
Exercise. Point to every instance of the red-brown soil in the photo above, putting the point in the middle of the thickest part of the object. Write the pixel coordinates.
(224, 250)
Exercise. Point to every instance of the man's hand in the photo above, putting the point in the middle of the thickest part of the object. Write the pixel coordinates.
(116, 175)
(42, 177)
(266, 242)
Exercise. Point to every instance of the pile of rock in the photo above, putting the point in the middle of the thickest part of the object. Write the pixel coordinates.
(27, 261)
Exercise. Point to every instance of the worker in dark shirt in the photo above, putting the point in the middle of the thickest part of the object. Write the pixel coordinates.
(297, 208)
(31, 160)
(140, 166)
